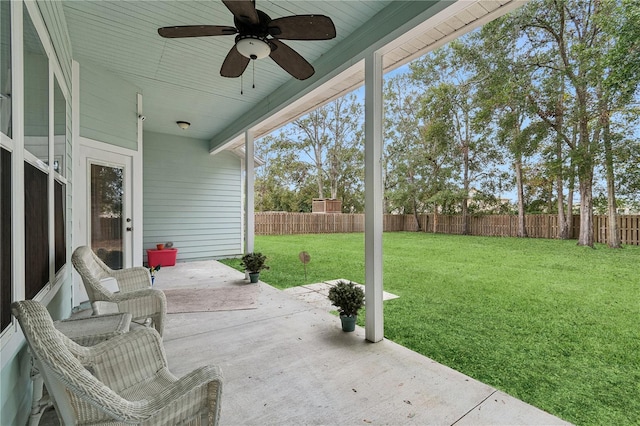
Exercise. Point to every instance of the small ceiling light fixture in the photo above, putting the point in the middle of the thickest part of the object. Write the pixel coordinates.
(184, 125)
(253, 47)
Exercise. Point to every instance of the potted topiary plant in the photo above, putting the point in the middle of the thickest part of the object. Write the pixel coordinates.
(348, 298)
(254, 263)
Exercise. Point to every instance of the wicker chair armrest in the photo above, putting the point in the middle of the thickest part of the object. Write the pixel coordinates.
(151, 293)
(143, 304)
(198, 391)
(132, 279)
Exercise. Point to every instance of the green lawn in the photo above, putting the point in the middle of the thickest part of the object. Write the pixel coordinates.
(546, 321)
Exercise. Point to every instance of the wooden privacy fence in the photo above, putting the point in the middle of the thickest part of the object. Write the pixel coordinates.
(538, 226)
(106, 228)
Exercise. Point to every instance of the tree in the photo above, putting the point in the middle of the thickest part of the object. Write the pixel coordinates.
(331, 138)
(503, 95)
(417, 156)
(322, 149)
(283, 183)
(451, 106)
(616, 79)
(571, 38)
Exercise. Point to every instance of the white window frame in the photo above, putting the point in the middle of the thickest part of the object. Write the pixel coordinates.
(11, 339)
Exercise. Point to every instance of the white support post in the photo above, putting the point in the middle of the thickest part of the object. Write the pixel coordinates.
(76, 219)
(17, 96)
(374, 331)
(50, 178)
(137, 175)
(249, 219)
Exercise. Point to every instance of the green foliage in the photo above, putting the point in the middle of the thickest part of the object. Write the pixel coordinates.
(109, 181)
(254, 262)
(420, 160)
(546, 321)
(347, 297)
(154, 269)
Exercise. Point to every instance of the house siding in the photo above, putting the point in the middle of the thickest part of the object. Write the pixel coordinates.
(56, 24)
(15, 388)
(191, 198)
(108, 107)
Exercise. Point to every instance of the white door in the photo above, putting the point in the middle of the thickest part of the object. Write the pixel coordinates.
(104, 219)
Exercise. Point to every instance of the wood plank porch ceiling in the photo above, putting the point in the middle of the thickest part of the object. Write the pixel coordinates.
(179, 78)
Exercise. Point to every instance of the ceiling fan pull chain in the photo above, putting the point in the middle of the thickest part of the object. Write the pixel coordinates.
(254, 74)
(241, 85)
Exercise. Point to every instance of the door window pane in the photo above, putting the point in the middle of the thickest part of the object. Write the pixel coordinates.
(6, 240)
(5, 67)
(36, 93)
(106, 214)
(59, 215)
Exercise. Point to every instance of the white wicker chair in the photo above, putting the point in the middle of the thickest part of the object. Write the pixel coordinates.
(135, 296)
(123, 380)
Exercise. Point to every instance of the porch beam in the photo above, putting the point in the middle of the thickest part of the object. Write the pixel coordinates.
(249, 219)
(374, 327)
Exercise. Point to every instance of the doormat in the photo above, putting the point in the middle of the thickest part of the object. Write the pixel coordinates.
(212, 299)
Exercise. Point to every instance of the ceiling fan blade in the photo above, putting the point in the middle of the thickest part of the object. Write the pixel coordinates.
(234, 64)
(290, 60)
(196, 31)
(302, 27)
(244, 10)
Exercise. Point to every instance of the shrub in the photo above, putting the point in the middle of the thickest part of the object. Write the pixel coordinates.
(347, 298)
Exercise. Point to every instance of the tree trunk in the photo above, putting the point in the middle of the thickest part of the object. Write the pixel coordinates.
(585, 170)
(334, 173)
(571, 185)
(465, 213)
(522, 218)
(415, 215)
(435, 219)
(585, 237)
(465, 199)
(563, 225)
(319, 181)
(614, 235)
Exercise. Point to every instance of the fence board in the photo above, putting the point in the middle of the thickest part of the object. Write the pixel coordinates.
(538, 226)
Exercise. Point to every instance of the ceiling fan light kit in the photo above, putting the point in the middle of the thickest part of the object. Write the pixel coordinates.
(260, 36)
(253, 47)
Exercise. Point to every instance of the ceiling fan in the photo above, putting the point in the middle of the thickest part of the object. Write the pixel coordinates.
(258, 36)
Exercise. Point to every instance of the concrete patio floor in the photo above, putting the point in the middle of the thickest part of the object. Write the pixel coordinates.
(288, 363)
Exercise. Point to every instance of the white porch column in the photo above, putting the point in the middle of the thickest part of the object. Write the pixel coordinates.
(373, 117)
(249, 220)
